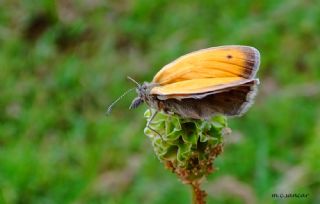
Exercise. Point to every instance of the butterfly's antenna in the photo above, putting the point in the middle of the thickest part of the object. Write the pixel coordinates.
(118, 99)
(134, 81)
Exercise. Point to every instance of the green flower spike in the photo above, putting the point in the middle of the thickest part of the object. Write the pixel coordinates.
(187, 147)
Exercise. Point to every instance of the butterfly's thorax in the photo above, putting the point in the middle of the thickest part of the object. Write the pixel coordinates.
(144, 93)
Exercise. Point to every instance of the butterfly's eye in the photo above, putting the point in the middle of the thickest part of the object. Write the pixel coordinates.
(143, 88)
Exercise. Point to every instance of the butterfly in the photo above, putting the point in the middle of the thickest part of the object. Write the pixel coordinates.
(204, 83)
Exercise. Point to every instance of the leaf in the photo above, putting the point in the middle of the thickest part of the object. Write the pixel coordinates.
(190, 133)
(184, 151)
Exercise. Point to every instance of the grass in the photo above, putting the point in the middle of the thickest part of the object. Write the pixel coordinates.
(62, 64)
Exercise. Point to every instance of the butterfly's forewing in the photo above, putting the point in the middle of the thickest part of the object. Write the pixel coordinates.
(216, 62)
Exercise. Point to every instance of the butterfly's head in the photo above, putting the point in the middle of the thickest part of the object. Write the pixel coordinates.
(143, 92)
(137, 101)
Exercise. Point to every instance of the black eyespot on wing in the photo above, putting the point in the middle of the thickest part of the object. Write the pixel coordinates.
(229, 56)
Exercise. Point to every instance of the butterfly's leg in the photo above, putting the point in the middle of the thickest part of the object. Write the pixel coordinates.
(150, 120)
(153, 115)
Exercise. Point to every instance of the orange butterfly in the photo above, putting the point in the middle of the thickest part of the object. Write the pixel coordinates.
(201, 84)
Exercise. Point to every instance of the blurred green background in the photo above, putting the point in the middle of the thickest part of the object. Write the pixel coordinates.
(62, 63)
